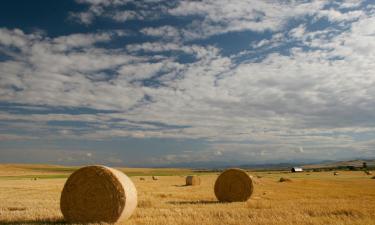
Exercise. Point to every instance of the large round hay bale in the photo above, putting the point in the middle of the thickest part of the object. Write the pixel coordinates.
(233, 185)
(98, 194)
(193, 180)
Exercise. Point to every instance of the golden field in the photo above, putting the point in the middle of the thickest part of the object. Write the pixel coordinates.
(311, 198)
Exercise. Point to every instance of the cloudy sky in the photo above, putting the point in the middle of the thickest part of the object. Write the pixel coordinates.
(156, 83)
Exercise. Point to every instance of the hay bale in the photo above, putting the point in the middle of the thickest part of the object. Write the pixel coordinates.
(373, 177)
(193, 180)
(368, 172)
(282, 179)
(141, 178)
(335, 173)
(233, 185)
(155, 178)
(98, 194)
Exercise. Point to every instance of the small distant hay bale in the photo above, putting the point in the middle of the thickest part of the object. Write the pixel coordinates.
(142, 178)
(335, 173)
(155, 178)
(373, 177)
(193, 180)
(368, 172)
(233, 185)
(283, 179)
(98, 194)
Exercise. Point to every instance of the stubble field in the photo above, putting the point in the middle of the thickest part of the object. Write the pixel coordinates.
(310, 198)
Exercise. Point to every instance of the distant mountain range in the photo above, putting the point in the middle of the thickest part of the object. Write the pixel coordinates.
(213, 165)
(275, 166)
(333, 164)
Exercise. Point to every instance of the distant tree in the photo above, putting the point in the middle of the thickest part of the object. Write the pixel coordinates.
(351, 168)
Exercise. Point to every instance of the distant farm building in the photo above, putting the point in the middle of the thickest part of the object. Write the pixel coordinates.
(296, 169)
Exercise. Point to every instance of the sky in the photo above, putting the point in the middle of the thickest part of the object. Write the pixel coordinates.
(172, 83)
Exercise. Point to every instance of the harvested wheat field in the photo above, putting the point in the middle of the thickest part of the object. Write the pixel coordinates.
(317, 198)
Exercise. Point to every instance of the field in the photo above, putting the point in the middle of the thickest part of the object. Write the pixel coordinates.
(310, 198)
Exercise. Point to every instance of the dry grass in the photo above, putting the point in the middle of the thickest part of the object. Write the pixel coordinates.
(319, 198)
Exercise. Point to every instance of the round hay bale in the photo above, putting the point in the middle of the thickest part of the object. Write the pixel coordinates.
(98, 194)
(368, 172)
(193, 180)
(335, 173)
(233, 185)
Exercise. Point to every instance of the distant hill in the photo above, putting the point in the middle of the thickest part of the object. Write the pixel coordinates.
(355, 163)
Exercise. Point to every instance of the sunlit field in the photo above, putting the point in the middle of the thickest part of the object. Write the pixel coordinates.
(310, 198)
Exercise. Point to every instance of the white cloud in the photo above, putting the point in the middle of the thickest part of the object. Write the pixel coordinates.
(348, 4)
(298, 32)
(126, 15)
(80, 40)
(337, 16)
(166, 32)
(210, 18)
(241, 15)
(114, 10)
(58, 70)
(317, 95)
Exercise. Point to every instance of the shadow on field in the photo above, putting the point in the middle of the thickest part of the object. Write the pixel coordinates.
(182, 185)
(30, 222)
(198, 202)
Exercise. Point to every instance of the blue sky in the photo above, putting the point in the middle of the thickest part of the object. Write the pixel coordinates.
(165, 83)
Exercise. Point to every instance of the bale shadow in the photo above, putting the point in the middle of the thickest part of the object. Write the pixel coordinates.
(197, 202)
(182, 185)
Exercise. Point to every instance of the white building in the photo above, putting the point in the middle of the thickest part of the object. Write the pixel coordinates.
(296, 169)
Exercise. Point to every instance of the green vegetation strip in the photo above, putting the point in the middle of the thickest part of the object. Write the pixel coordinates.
(57, 169)
(130, 174)
(163, 173)
(52, 176)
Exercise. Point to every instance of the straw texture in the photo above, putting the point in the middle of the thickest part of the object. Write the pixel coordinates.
(233, 185)
(98, 194)
(193, 180)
